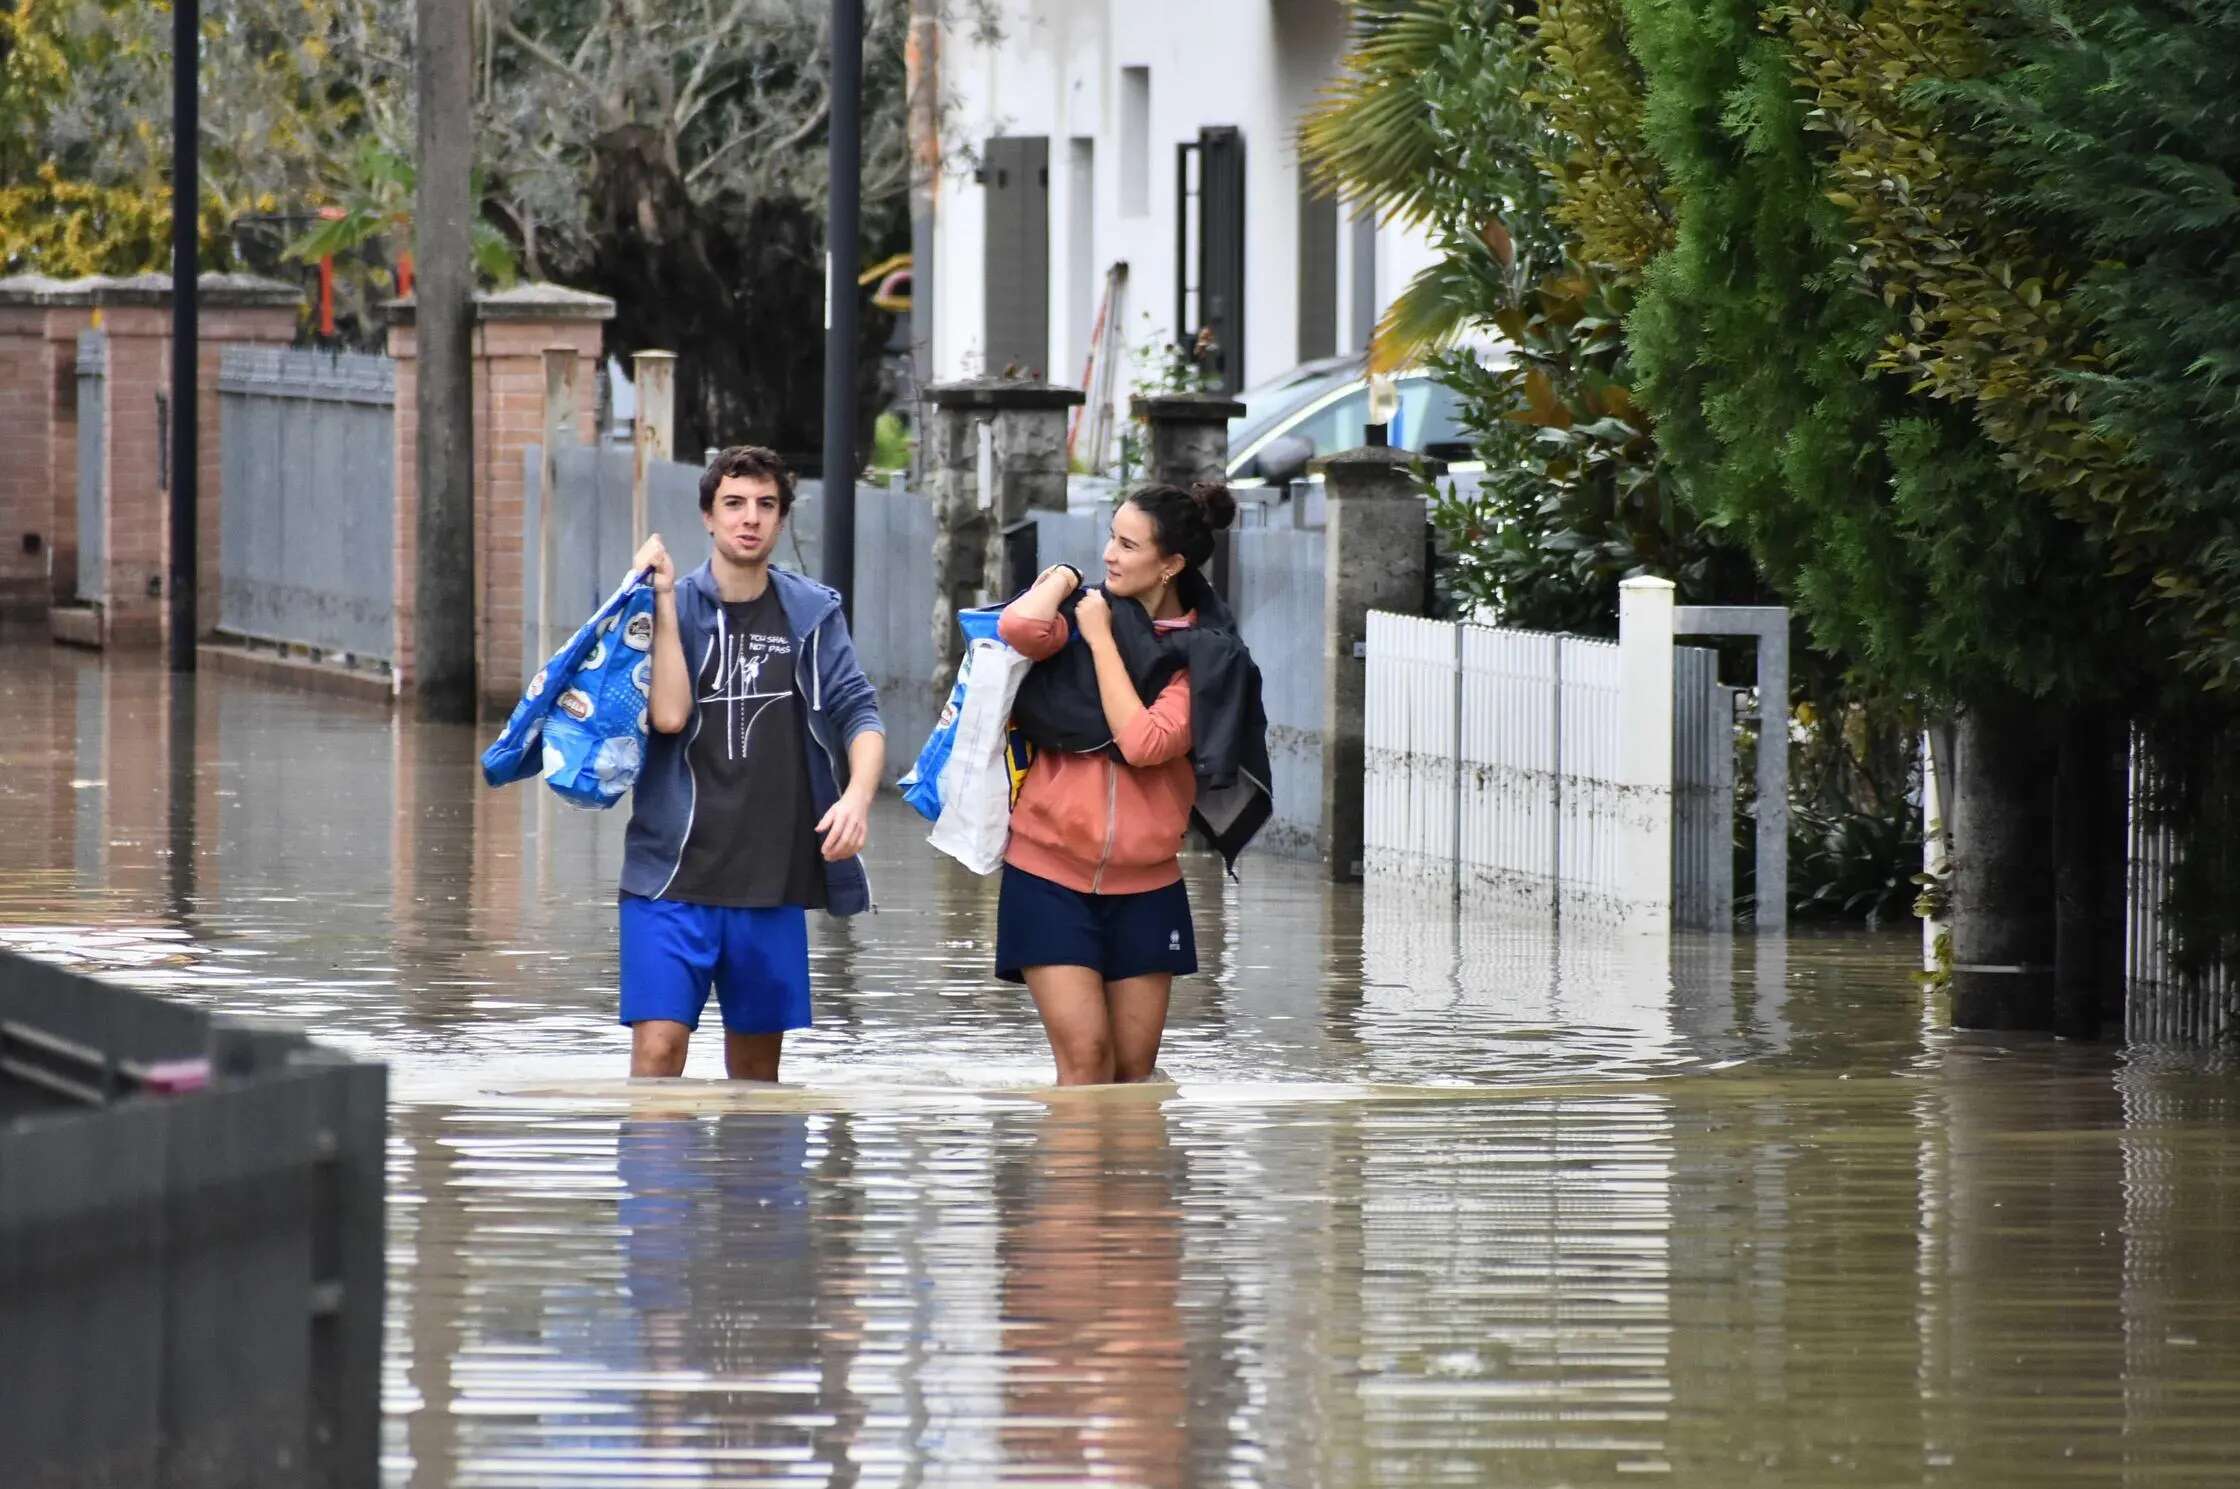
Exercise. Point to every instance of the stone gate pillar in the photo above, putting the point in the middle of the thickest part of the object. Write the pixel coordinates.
(1373, 559)
(998, 453)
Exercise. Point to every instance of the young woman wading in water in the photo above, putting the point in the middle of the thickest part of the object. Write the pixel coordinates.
(1144, 708)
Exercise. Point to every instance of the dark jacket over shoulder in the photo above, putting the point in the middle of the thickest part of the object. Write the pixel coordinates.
(1059, 708)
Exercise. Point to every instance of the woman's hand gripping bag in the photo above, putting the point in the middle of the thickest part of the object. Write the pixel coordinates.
(582, 723)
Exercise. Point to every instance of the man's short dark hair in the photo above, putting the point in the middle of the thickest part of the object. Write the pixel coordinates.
(747, 460)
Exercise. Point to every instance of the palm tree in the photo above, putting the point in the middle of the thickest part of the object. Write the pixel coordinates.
(1384, 137)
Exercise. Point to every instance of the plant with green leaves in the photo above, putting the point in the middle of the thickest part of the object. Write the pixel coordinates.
(373, 198)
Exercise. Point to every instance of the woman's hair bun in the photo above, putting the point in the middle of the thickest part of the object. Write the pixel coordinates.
(1213, 499)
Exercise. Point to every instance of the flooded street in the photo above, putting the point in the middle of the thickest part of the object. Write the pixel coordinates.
(1435, 1199)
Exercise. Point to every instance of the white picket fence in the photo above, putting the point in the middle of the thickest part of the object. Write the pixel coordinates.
(1525, 767)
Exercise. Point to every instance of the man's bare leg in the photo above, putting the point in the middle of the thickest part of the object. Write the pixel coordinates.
(657, 1047)
(751, 1057)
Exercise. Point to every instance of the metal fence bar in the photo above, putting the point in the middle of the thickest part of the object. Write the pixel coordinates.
(93, 490)
(1703, 792)
(1769, 624)
(2162, 1003)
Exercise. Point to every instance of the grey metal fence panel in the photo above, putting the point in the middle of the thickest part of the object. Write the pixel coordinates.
(1276, 592)
(580, 549)
(801, 549)
(308, 529)
(894, 616)
(1076, 537)
(1702, 791)
(93, 497)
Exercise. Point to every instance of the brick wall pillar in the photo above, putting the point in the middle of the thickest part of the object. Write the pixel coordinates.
(40, 320)
(513, 330)
(135, 314)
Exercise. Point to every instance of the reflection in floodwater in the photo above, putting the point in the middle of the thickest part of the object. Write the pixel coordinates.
(1090, 1253)
(1436, 1199)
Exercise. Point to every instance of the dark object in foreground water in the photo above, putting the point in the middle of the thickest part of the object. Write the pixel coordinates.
(191, 1271)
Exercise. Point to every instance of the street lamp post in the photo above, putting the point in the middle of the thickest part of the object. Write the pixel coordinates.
(845, 160)
(186, 223)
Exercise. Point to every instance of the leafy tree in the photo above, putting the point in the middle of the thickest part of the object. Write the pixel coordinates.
(2118, 129)
(672, 155)
(1886, 515)
(85, 124)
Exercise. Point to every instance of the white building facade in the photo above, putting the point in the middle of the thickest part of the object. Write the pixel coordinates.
(1162, 134)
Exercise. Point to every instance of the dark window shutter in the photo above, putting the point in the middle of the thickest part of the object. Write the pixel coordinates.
(1016, 259)
(1318, 273)
(1221, 249)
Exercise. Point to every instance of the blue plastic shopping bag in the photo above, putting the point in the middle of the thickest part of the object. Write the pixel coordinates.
(582, 722)
(922, 786)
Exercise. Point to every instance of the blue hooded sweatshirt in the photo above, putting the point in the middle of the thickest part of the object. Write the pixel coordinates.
(839, 705)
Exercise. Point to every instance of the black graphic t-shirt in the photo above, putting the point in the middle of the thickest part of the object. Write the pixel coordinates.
(753, 838)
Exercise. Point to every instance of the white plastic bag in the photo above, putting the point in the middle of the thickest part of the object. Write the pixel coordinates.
(975, 784)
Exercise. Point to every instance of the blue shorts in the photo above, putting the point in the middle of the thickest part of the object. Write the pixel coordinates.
(757, 960)
(1041, 924)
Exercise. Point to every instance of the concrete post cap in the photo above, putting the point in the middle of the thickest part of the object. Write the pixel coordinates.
(1367, 458)
(217, 291)
(1208, 408)
(1000, 393)
(1375, 470)
(536, 301)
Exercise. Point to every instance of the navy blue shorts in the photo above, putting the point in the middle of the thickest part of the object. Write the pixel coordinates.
(1041, 924)
(757, 960)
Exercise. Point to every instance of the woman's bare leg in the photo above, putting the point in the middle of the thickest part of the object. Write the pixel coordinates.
(1071, 1001)
(1138, 1007)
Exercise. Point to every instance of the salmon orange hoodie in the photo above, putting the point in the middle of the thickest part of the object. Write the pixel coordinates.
(1093, 823)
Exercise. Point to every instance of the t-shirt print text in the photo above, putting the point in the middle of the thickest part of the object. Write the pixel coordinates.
(754, 674)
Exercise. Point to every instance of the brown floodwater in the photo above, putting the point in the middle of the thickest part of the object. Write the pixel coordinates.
(1433, 1197)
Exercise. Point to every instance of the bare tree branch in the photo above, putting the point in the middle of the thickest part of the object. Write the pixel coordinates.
(538, 51)
(689, 102)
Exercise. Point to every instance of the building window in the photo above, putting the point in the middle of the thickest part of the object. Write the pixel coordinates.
(1135, 141)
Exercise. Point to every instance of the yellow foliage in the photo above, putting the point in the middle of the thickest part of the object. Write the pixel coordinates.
(1610, 190)
(71, 228)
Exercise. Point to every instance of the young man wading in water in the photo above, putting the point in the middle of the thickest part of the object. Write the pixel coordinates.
(763, 751)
